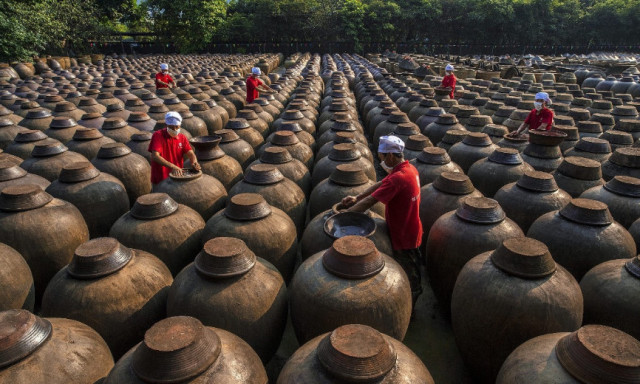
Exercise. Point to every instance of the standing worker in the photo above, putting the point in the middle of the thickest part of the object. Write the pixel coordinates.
(163, 78)
(399, 191)
(540, 118)
(168, 148)
(254, 84)
(449, 81)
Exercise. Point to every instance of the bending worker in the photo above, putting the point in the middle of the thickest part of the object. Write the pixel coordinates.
(540, 117)
(168, 149)
(254, 84)
(399, 191)
(449, 81)
(163, 78)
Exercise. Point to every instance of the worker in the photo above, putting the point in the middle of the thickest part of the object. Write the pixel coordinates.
(163, 78)
(168, 149)
(399, 191)
(254, 84)
(540, 118)
(449, 80)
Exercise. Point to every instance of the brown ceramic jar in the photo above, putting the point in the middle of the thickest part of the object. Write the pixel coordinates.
(621, 196)
(233, 145)
(475, 146)
(215, 162)
(87, 142)
(577, 174)
(291, 142)
(502, 167)
(16, 280)
(292, 169)
(341, 154)
(49, 157)
(24, 142)
(432, 162)
(12, 174)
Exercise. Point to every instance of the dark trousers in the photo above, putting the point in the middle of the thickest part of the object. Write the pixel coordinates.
(409, 260)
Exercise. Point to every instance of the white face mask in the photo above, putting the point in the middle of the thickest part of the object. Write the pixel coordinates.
(384, 166)
(537, 105)
(173, 132)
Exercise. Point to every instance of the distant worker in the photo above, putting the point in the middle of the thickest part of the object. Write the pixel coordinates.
(540, 118)
(254, 84)
(449, 81)
(163, 78)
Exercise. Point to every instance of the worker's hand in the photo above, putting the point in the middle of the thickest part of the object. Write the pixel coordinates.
(349, 201)
(177, 171)
(196, 166)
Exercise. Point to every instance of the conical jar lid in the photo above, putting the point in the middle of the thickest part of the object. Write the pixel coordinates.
(247, 206)
(633, 266)
(626, 157)
(506, 156)
(99, 257)
(580, 168)
(237, 123)
(344, 152)
(10, 171)
(224, 257)
(524, 257)
(275, 155)
(227, 136)
(48, 147)
(29, 136)
(18, 198)
(113, 123)
(537, 181)
(624, 185)
(353, 257)
(263, 174)
(62, 122)
(481, 210)
(477, 139)
(348, 174)
(113, 150)
(21, 334)
(434, 155)
(78, 172)
(455, 183)
(87, 134)
(593, 145)
(587, 211)
(284, 138)
(153, 206)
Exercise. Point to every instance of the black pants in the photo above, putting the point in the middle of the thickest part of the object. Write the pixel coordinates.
(409, 260)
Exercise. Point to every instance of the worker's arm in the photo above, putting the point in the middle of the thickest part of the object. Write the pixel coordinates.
(155, 157)
(542, 127)
(522, 127)
(192, 158)
(364, 204)
(351, 200)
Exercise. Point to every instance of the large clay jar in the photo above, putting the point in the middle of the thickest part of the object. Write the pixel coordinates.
(543, 152)
(140, 144)
(350, 283)
(502, 167)
(118, 291)
(577, 174)
(236, 147)
(432, 162)
(118, 129)
(201, 192)
(622, 196)
(341, 154)
(38, 119)
(130, 168)
(62, 129)
(214, 289)
(25, 141)
(49, 157)
(39, 350)
(294, 115)
(435, 131)
(569, 234)
(12, 174)
(592, 354)
(292, 169)
(141, 121)
(181, 350)
(87, 142)
(16, 280)
(506, 297)
(278, 191)
(291, 142)
(215, 162)
(159, 225)
(540, 192)
(211, 117)
(623, 162)
(255, 122)
(474, 146)
(267, 230)
(477, 226)
(354, 353)
(8, 132)
(193, 124)
(591, 148)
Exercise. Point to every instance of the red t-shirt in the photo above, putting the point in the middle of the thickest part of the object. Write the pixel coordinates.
(535, 120)
(400, 192)
(450, 81)
(252, 88)
(171, 149)
(163, 77)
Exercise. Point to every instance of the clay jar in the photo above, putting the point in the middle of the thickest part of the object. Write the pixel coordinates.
(569, 234)
(341, 154)
(591, 148)
(387, 127)
(159, 225)
(15, 277)
(254, 121)
(292, 169)
(502, 167)
(193, 124)
(37, 119)
(24, 143)
(118, 291)
(87, 142)
(431, 162)
(140, 144)
(291, 142)
(181, 350)
(236, 147)
(435, 131)
(477, 226)
(506, 297)
(577, 174)
(543, 152)
(141, 121)
(118, 130)
(49, 157)
(350, 283)
(294, 115)
(8, 132)
(215, 162)
(623, 162)
(621, 196)
(211, 118)
(213, 290)
(336, 355)
(201, 192)
(540, 192)
(592, 354)
(474, 146)
(62, 129)
(131, 169)
(38, 217)
(244, 130)
(39, 350)
(11, 174)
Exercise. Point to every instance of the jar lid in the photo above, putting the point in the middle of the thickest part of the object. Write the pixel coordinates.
(78, 172)
(29, 136)
(175, 350)
(633, 266)
(64, 106)
(587, 211)
(626, 157)
(580, 168)
(588, 126)
(199, 106)
(290, 126)
(348, 174)
(48, 147)
(435, 111)
(138, 117)
(344, 152)
(99, 257)
(247, 114)
(480, 120)
(153, 206)
(247, 206)
(263, 174)
(113, 150)
(142, 136)
(537, 181)
(397, 117)
(60, 122)
(477, 139)
(158, 108)
(481, 210)
(455, 183)
(21, 334)
(618, 137)
(342, 126)
(593, 145)
(275, 155)
(114, 107)
(292, 114)
(224, 257)
(227, 136)
(237, 123)
(417, 142)
(624, 185)
(87, 134)
(446, 119)
(18, 198)
(87, 102)
(10, 171)
(284, 138)
(207, 147)
(113, 123)
(524, 257)
(356, 353)
(38, 114)
(406, 129)
(353, 257)
(551, 137)
(600, 354)
(349, 224)
(434, 155)
(187, 174)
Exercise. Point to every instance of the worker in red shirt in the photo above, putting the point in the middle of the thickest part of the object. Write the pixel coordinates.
(540, 117)
(449, 81)
(163, 78)
(168, 149)
(254, 84)
(399, 191)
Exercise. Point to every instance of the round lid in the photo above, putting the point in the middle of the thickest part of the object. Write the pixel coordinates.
(481, 210)
(587, 211)
(626, 157)
(624, 185)
(292, 114)
(344, 152)
(353, 257)
(434, 155)
(64, 106)
(507, 156)
(552, 137)
(284, 138)
(342, 125)
(455, 183)
(207, 147)
(348, 174)
(78, 172)
(158, 108)
(446, 119)
(91, 115)
(588, 126)
(187, 174)
(224, 257)
(633, 266)
(227, 136)
(113, 150)
(290, 126)
(538, 181)
(417, 142)
(199, 106)
(48, 147)
(142, 136)
(618, 137)
(87, 134)
(349, 224)
(247, 206)
(18, 198)
(263, 174)
(406, 129)
(477, 139)
(398, 117)
(495, 130)
(524, 257)
(175, 350)
(237, 123)
(593, 145)
(60, 122)
(38, 114)
(10, 171)
(21, 334)
(356, 353)
(247, 114)
(480, 120)
(29, 136)
(99, 257)
(275, 155)
(138, 117)
(153, 206)
(597, 354)
(580, 168)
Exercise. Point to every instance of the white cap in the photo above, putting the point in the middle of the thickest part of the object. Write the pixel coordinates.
(164, 66)
(390, 144)
(256, 71)
(449, 67)
(172, 118)
(543, 96)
